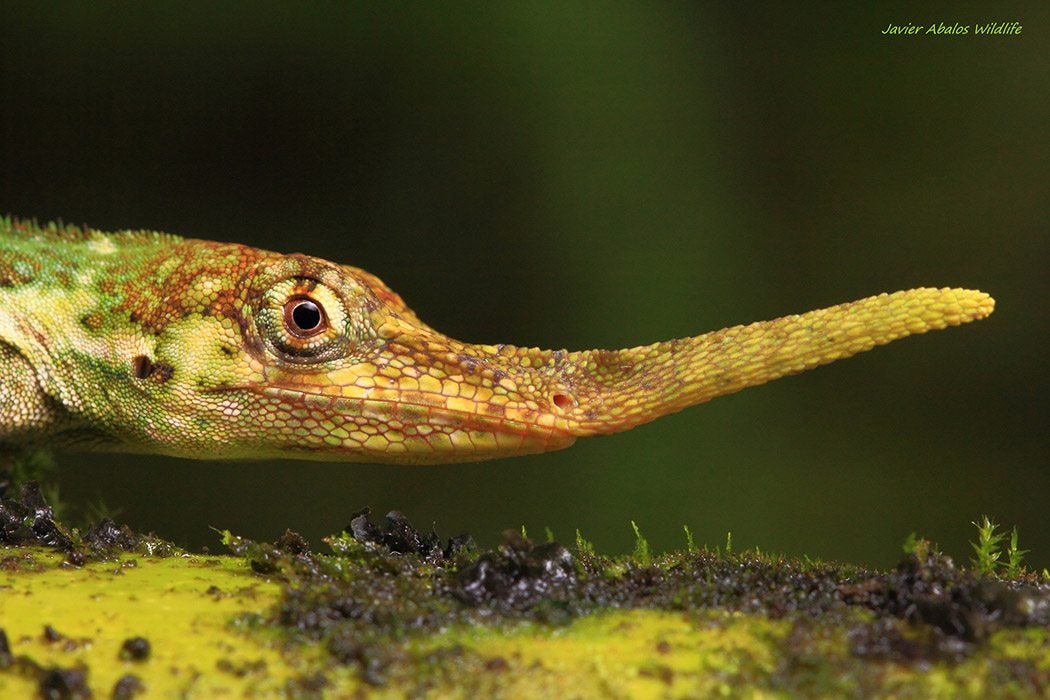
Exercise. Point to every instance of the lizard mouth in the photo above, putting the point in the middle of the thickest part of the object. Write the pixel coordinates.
(417, 425)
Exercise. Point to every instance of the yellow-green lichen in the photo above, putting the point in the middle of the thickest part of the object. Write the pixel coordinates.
(182, 605)
(208, 620)
(391, 611)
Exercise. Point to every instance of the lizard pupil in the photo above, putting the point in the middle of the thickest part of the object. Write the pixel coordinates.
(304, 317)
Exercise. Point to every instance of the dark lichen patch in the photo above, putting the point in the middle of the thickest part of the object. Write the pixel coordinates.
(265, 558)
(27, 519)
(242, 669)
(51, 682)
(889, 639)
(419, 614)
(372, 659)
(398, 536)
(309, 686)
(385, 585)
(5, 650)
(947, 610)
(65, 683)
(128, 686)
(135, 649)
(664, 673)
(518, 577)
(50, 635)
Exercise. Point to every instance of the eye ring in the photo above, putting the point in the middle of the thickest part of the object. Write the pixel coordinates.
(304, 317)
(303, 321)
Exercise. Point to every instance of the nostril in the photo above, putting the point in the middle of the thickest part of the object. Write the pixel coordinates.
(562, 401)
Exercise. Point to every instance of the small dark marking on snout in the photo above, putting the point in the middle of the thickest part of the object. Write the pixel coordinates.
(562, 400)
(91, 322)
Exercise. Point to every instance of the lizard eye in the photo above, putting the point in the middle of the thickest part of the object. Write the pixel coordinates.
(303, 321)
(304, 317)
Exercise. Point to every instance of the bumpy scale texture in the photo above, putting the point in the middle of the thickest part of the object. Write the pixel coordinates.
(147, 342)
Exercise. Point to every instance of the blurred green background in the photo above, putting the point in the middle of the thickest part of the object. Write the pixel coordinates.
(591, 175)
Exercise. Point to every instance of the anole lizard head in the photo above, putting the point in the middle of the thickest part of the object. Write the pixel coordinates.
(331, 364)
(209, 350)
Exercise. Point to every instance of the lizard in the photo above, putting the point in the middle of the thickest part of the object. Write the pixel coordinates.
(147, 342)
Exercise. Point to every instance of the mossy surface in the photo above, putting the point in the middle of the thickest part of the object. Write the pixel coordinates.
(389, 610)
(164, 620)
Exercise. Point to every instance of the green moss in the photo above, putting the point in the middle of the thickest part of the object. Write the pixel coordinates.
(395, 611)
(641, 547)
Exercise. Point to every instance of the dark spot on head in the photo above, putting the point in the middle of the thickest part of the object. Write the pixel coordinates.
(144, 368)
(370, 303)
(141, 366)
(306, 285)
(92, 321)
(19, 269)
(226, 350)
